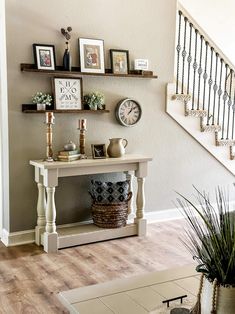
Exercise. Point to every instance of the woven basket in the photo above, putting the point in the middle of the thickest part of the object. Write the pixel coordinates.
(113, 215)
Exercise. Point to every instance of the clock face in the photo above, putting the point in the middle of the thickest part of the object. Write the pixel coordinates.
(128, 112)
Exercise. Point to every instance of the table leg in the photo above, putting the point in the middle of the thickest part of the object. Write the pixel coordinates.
(140, 204)
(41, 207)
(50, 236)
(129, 178)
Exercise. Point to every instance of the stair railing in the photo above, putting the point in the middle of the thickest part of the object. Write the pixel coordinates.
(206, 74)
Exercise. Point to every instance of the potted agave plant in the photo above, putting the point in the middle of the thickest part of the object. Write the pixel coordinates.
(211, 240)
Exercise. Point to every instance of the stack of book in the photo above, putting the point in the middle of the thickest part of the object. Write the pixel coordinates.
(68, 155)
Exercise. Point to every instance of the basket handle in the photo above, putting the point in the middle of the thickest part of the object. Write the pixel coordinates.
(129, 196)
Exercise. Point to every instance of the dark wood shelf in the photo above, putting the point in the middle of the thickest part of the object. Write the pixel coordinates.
(65, 111)
(26, 67)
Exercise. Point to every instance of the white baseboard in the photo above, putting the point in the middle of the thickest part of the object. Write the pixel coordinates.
(28, 236)
(17, 238)
(163, 215)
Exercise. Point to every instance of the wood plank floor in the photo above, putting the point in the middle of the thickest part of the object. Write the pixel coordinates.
(30, 278)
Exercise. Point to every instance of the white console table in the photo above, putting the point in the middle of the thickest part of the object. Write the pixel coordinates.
(46, 176)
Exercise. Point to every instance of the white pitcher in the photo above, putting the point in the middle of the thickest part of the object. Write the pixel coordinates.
(116, 147)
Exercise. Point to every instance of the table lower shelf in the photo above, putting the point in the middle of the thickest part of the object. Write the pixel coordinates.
(90, 233)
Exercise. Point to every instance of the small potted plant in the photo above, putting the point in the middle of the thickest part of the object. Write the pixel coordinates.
(211, 240)
(42, 100)
(94, 101)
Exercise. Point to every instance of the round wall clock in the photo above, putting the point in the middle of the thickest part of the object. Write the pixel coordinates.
(128, 112)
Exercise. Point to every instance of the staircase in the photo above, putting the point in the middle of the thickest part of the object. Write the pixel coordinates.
(202, 99)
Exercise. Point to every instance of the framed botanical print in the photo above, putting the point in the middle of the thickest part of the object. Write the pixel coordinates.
(91, 55)
(67, 93)
(44, 56)
(119, 61)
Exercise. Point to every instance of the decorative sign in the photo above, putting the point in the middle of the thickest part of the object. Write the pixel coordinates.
(141, 64)
(68, 93)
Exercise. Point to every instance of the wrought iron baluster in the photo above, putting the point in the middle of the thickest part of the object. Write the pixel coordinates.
(229, 101)
(189, 59)
(225, 96)
(199, 75)
(220, 90)
(210, 82)
(184, 53)
(205, 77)
(178, 48)
(194, 68)
(233, 108)
(215, 87)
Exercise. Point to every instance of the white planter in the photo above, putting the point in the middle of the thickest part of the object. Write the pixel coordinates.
(41, 106)
(225, 299)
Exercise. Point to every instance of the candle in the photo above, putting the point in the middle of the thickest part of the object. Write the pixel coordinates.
(49, 117)
(82, 124)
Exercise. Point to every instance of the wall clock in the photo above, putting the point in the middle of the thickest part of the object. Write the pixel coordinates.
(128, 112)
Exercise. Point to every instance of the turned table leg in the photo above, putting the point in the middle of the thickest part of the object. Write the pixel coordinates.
(140, 199)
(141, 222)
(50, 235)
(129, 178)
(41, 207)
(140, 204)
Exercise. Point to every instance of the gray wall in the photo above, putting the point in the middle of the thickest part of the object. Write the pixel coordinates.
(146, 29)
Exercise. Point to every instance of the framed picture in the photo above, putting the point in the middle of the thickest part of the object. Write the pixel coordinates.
(91, 55)
(44, 56)
(119, 61)
(67, 93)
(98, 151)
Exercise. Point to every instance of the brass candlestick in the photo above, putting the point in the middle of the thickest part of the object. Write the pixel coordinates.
(82, 128)
(49, 122)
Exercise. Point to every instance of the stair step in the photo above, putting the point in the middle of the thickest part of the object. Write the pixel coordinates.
(183, 97)
(195, 113)
(232, 154)
(225, 142)
(210, 128)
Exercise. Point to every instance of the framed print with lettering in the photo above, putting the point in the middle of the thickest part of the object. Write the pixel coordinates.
(91, 55)
(67, 93)
(44, 56)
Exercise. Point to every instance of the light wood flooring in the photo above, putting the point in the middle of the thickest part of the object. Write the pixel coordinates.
(30, 279)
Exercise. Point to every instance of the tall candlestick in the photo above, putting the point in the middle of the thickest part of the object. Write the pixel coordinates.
(49, 122)
(82, 129)
(82, 124)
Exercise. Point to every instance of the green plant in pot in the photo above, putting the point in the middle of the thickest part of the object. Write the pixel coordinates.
(42, 100)
(211, 240)
(94, 101)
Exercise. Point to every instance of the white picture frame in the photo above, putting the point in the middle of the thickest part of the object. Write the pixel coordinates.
(141, 64)
(67, 93)
(91, 55)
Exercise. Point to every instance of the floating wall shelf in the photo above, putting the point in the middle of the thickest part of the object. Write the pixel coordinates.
(26, 67)
(26, 109)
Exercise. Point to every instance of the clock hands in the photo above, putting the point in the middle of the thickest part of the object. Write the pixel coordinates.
(130, 110)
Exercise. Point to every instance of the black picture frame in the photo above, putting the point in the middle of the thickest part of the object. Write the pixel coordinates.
(98, 151)
(116, 66)
(41, 60)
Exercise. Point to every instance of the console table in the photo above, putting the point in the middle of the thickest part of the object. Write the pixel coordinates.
(46, 177)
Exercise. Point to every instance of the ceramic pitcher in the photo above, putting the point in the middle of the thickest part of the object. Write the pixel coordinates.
(116, 147)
